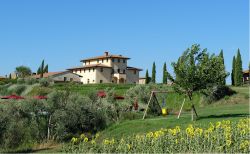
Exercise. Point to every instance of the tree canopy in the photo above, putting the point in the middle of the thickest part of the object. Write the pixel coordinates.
(23, 71)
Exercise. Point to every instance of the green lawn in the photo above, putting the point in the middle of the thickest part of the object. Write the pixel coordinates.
(206, 114)
(85, 89)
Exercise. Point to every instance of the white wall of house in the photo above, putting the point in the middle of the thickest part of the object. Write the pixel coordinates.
(66, 77)
(88, 75)
(106, 61)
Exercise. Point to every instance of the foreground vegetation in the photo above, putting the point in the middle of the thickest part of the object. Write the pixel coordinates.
(222, 136)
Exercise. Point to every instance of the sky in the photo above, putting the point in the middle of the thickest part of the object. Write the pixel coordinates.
(65, 31)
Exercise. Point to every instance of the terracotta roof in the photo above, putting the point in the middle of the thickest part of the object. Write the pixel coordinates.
(45, 75)
(133, 68)
(105, 56)
(89, 66)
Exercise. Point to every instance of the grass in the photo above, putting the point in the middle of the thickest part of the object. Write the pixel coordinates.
(88, 88)
(233, 108)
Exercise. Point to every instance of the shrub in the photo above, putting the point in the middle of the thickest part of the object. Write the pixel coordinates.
(217, 93)
(30, 81)
(39, 91)
(45, 82)
(19, 89)
(20, 81)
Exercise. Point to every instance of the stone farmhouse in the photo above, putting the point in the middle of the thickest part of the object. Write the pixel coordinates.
(107, 69)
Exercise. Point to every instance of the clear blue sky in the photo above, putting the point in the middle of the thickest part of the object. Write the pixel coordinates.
(65, 31)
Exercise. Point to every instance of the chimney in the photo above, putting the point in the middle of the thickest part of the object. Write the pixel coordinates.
(106, 53)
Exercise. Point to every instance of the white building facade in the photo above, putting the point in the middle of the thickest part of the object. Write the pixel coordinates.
(107, 69)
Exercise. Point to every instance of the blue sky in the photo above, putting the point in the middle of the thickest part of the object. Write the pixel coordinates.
(63, 31)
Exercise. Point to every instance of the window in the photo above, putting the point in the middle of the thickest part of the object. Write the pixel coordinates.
(89, 69)
(118, 60)
(124, 72)
(93, 69)
(113, 60)
(102, 60)
(113, 71)
(101, 81)
(85, 62)
(93, 81)
(71, 79)
(107, 60)
(89, 62)
(124, 61)
(80, 71)
(134, 71)
(97, 60)
(65, 79)
(101, 69)
(118, 70)
(88, 81)
(84, 70)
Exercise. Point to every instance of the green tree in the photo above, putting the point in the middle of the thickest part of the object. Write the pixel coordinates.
(147, 77)
(195, 71)
(223, 62)
(233, 72)
(42, 69)
(165, 78)
(238, 70)
(153, 80)
(23, 71)
(10, 76)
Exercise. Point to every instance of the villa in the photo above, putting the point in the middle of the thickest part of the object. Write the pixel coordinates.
(107, 69)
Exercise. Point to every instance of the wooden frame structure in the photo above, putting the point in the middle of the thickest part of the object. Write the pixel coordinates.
(153, 97)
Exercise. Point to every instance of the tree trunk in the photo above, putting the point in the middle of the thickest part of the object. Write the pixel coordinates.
(49, 124)
(193, 110)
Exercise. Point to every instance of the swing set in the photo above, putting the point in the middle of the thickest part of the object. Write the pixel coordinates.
(153, 99)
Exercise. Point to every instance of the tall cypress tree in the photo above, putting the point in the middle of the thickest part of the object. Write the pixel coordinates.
(153, 73)
(233, 72)
(147, 77)
(238, 70)
(223, 63)
(164, 79)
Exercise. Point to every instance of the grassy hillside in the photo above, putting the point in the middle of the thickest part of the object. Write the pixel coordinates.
(232, 108)
(88, 88)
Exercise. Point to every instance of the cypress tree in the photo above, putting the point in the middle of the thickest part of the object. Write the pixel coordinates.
(147, 77)
(233, 72)
(238, 70)
(153, 73)
(165, 80)
(223, 63)
(10, 76)
(46, 69)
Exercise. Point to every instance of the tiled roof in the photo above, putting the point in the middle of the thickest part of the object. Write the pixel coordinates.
(105, 56)
(45, 75)
(89, 66)
(133, 68)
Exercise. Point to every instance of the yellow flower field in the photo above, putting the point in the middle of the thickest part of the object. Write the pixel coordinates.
(222, 136)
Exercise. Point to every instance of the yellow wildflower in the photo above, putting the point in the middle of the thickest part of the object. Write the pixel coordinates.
(82, 136)
(86, 139)
(93, 142)
(150, 134)
(129, 147)
(228, 143)
(74, 140)
(218, 124)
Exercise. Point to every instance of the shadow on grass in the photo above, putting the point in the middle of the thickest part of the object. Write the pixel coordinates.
(224, 116)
